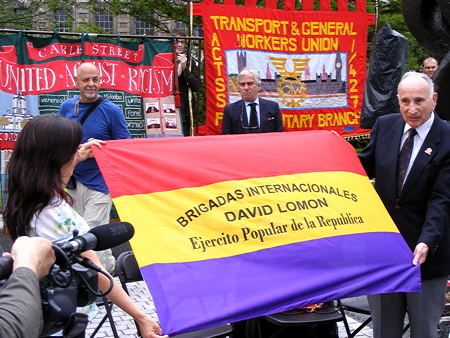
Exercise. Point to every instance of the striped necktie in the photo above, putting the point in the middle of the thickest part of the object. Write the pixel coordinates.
(404, 158)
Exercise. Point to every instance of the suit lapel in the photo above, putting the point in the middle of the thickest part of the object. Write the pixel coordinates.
(391, 153)
(245, 122)
(262, 114)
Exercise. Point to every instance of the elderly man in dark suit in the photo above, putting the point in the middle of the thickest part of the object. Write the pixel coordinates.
(409, 157)
(252, 114)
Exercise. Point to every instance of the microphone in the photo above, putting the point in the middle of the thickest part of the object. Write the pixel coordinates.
(99, 238)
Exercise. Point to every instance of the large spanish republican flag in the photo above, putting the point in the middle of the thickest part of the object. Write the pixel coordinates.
(238, 226)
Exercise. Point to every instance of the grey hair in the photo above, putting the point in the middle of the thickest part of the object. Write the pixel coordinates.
(248, 71)
(423, 76)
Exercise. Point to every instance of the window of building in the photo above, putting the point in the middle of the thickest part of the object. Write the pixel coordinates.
(61, 19)
(20, 10)
(180, 25)
(144, 28)
(104, 20)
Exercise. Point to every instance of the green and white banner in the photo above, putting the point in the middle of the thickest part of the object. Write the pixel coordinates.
(36, 76)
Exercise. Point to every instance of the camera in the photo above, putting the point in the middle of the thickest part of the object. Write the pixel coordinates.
(73, 279)
(61, 293)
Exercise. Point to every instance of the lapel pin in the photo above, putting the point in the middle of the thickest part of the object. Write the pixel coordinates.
(428, 151)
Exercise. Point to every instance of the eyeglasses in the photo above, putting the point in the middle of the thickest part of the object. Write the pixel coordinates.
(243, 84)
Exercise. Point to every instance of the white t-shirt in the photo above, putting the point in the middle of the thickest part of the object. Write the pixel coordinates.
(57, 222)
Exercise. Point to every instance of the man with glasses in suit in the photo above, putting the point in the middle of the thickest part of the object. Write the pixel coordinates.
(252, 114)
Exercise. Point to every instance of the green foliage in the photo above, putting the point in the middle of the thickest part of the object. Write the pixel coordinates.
(33, 15)
(14, 15)
(359, 143)
(155, 12)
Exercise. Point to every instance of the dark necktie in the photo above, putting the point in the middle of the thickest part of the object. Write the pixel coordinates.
(404, 158)
(254, 127)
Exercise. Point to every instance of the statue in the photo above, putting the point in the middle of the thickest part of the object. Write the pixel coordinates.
(429, 22)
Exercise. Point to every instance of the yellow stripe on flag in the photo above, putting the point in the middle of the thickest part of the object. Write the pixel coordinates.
(236, 217)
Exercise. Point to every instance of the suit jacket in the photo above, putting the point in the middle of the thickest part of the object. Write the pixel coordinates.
(422, 210)
(269, 114)
(21, 307)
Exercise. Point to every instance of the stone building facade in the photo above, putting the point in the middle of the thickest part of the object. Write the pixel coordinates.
(120, 25)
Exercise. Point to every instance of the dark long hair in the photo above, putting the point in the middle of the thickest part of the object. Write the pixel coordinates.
(34, 170)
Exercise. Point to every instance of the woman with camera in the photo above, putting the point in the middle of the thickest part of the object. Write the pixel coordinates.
(45, 154)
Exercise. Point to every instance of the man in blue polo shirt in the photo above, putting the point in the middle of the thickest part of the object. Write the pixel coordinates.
(105, 122)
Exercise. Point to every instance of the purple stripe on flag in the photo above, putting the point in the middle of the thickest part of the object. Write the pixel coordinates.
(195, 295)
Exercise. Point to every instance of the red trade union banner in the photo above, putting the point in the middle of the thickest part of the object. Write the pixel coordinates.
(313, 63)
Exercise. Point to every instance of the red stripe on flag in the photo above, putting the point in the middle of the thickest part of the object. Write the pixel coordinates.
(142, 166)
